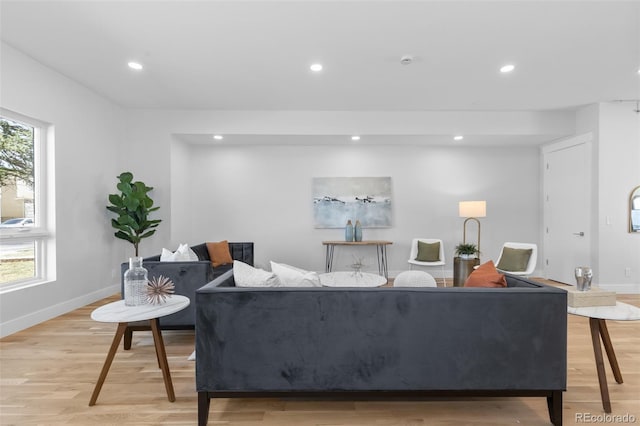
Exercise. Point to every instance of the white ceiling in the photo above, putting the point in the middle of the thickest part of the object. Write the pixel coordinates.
(255, 55)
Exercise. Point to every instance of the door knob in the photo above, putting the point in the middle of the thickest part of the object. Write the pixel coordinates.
(579, 233)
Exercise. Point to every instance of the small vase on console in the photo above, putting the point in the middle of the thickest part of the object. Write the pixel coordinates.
(348, 231)
(357, 231)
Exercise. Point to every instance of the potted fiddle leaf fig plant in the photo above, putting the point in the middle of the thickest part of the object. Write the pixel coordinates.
(132, 207)
(467, 251)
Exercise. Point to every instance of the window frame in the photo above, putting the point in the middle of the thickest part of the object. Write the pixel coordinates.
(41, 234)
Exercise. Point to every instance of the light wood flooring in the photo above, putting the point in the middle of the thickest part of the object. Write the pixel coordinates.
(47, 374)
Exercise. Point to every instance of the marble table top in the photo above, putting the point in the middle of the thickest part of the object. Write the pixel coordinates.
(119, 312)
(351, 279)
(620, 312)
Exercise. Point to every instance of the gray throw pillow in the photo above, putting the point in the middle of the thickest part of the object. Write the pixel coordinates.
(514, 260)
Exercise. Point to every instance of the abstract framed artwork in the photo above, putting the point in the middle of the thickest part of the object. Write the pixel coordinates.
(339, 199)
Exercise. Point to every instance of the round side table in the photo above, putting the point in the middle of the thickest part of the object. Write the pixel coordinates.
(122, 314)
(597, 322)
(462, 268)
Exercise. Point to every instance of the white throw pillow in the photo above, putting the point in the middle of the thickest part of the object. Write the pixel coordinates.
(166, 255)
(290, 276)
(247, 276)
(182, 254)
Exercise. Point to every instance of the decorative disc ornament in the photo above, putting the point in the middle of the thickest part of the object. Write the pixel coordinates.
(159, 289)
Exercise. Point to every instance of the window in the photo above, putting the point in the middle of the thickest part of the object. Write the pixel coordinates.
(24, 227)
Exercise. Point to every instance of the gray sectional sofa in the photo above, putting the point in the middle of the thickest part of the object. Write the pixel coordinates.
(381, 342)
(187, 278)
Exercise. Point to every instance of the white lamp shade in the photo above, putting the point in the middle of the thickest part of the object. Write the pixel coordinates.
(472, 208)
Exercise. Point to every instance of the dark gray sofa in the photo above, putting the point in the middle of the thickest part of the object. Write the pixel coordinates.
(187, 278)
(381, 342)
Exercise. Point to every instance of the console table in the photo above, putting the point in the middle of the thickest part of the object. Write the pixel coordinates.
(381, 250)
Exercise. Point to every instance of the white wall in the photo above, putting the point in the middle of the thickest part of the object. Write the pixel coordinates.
(618, 173)
(88, 130)
(502, 176)
(615, 172)
(263, 194)
(231, 176)
(181, 183)
(587, 122)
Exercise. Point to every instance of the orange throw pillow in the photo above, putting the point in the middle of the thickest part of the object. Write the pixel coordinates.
(219, 253)
(486, 276)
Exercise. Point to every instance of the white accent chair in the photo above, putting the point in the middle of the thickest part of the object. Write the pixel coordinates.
(414, 254)
(414, 279)
(531, 264)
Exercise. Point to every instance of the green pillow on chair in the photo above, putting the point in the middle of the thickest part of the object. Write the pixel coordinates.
(514, 260)
(428, 252)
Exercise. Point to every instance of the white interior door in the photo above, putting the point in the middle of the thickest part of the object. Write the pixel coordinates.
(567, 208)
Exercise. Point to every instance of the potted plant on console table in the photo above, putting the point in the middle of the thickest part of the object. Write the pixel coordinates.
(466, 258)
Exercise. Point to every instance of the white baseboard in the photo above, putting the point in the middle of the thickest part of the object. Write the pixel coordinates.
(33, 318)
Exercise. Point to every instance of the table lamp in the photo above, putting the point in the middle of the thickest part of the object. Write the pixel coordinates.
(471, 210)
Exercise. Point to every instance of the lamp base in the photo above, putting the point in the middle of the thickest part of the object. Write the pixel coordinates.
(464, 231)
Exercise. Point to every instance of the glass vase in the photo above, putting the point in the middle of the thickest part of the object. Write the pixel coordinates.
(135, 283)
(348, 231)
(583, 274)
(357, 231)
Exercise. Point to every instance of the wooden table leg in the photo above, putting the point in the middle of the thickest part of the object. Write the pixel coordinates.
(608, 347)
(107, 363)
(162, 358)
(597, 352)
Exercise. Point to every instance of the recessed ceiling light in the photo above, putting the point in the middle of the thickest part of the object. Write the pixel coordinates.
(316, 67)
(638, 70)
(355, 138)
(135, 66)
(458, 138)
(507, 68)
(218, 137)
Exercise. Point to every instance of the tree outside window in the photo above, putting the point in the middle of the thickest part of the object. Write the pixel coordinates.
(17, 207)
